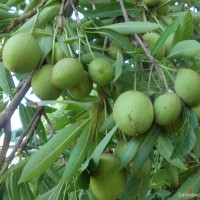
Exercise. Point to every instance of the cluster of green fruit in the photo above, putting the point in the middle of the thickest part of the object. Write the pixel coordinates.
(135, 112)
(50, 80)
(161, 6)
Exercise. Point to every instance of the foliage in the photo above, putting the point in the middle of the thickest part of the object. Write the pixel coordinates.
(62, 139)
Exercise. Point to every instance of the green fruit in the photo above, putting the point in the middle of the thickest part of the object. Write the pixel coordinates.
(134, 111)
(144, 170)
(151, 39)
(107, 182)
(101, 71)
(42, 86)
(151, 2)
(67, 73)
(163, 7)
(83, 88)
(196, 110)
(58, 53)
(113, 50)
(167, 108)
(21, 53)
(186, 85)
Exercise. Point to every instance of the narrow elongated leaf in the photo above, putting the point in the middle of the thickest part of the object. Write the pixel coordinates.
(170, 29)
(25, 192)
(165, 148)
(189, 188)
(185, 141)
(196, 148)
(145, 148)
(185, 29)
(4, 80)
(117, 38)
(78, 154)
(128, 152)
(93, 160)
(112, 9)
(118, 65)
(58, 192)
(127, 28)
(135, 189)
(186, 48)
(50, 152)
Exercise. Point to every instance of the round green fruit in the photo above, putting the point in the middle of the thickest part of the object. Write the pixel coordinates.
(151, 39)
(196, 110)
(186, 85)
(42, 86)
(163, 7)
(21, 53)
(107, 182)
(134, 111)
(83, 88)
(113, 50)
(67, 73)
(151, 2)
(58, 53)
(101, 71)
(167, 108)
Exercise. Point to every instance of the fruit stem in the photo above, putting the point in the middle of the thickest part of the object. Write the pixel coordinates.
(69, 48)
(53, 49)
(89, 46)
(35, 21)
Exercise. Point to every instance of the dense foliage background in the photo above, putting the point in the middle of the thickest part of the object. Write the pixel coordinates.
(65, 138)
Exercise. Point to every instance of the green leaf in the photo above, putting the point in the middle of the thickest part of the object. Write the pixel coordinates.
(117, 38)
(170, 29)
(109, 123)
(118, 65)
(185, 29)
(112, 9)
(128, 151)
(25, 192)
(4, 80)
(186, 48)
(184, 142)
(93, 160)
(172, 172)
(145, 148)
(128, 28)
(78, 154)
(196, 148)
(50, 152)
(165, 149)
(59, 192)
(189, 188)
(135, 189)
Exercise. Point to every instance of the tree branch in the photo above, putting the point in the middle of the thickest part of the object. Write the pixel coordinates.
(30, 129)
(8, 112)
(49, 123)
(144, 47)
(22, 18)
(6, 142)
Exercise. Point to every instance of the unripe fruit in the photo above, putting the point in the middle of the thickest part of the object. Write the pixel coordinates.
(113, 50)
(187, 85)
(67, 73)
(167, 108)
(21, 53)
(58, 53)
(151, 39)
(196, 110)
(107, 183)
(151, 2)
(163, 8)
(101, 71)
(42, 86)
(83, 88)
(134, 111)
